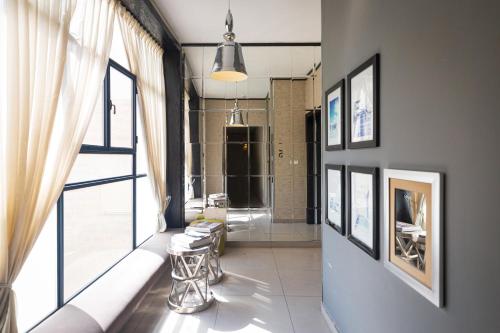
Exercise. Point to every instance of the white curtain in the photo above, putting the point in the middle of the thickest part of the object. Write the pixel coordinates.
(145, 57)
(53, 57)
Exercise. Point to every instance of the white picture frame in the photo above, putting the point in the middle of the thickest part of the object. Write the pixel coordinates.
(434, 293)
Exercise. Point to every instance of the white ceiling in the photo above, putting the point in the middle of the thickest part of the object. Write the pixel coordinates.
(255, 21)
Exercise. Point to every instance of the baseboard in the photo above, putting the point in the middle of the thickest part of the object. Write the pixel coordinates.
(300, 221)
(296, 244)
(329, 321)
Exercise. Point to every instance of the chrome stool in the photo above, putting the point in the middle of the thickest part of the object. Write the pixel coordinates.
(215, 273)
(190, 288)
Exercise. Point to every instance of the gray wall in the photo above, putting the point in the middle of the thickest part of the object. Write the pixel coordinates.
(440, 111)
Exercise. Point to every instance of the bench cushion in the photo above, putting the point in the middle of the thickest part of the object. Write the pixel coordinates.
(69, 319)
(107, 304)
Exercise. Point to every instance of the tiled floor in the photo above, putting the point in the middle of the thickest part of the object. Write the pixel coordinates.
(265, 290)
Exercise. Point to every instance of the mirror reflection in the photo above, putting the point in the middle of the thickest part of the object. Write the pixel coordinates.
(253, 149)
(411, 227)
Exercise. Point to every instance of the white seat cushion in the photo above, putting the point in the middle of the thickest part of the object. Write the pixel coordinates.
(106, 304)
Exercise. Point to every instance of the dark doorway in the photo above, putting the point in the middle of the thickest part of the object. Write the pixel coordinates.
(245, 160)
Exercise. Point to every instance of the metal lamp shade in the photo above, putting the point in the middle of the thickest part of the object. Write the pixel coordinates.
(229, 64)
(236, 118)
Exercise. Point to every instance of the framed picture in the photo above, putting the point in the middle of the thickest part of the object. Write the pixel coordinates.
(413, 230)
(335, 197)
(363, 105)
(334, 117)
(362, 217)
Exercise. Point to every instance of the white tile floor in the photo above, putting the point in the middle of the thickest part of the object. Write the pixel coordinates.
(264, 290)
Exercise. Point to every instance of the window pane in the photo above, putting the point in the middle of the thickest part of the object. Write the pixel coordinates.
(95, 131)
(147, 210)
(142, 158)
(97, 232)
(121, 113)
(36, 284)
(98, 166)
(117, 52)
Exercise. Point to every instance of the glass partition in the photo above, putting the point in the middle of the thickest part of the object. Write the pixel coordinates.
(261, 176)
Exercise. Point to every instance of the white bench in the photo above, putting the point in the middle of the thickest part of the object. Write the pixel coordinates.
(107, 304)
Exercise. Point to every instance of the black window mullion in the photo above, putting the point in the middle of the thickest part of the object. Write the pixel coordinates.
(60, 251)
(91, 149)
(134, 164)
(102, 181)
(107, 109)
(134, 212)
(134, 115)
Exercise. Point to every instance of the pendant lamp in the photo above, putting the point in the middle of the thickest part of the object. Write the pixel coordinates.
(229, 64)
(236, 117)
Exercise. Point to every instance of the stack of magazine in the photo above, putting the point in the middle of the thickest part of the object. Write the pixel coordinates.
(203, 228)
(217, 199)
(407, 227)
(197, 235)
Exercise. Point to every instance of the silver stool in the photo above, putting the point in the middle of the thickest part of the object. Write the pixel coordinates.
(214, 270)
(190, 288)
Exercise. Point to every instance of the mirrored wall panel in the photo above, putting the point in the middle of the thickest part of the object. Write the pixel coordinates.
(253, 151)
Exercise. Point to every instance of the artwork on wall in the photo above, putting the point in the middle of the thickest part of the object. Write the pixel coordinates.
(334, 117)
(362, 219)
(363, 105)
(413, 224)
(335, 197)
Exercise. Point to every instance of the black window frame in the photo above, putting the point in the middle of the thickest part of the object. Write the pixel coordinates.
(106, 148)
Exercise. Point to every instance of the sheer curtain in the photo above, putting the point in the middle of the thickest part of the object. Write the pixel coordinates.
(54, 54)
(145, 57)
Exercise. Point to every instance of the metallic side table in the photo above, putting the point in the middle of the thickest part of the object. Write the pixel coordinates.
(190, 287)
(214, 270)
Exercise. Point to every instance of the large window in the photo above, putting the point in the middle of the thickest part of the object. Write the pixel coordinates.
(107, 207)
(97, 208)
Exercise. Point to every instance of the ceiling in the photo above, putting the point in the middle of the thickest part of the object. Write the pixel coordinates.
(255, 21)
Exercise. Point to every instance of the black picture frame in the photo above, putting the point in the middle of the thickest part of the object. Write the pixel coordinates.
(339, 85)
(374, 171)
(341, 168)
(375, 142)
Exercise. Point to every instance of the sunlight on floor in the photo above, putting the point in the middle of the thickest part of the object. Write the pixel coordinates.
(264, 290)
